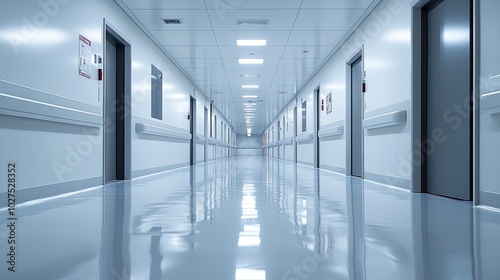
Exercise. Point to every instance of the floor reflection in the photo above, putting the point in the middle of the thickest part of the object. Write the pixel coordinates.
(253, 218)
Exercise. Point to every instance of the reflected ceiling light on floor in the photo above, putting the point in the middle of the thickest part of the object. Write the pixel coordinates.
(250, 75)
(250, 86)
(251, 43)
(251, 61)
(249, 274)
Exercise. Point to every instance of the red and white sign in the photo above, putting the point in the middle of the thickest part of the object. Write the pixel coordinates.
(85, 57)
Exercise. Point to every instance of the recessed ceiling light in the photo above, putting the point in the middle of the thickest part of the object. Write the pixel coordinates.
(249, 109)
(251, 61)
(250, 86)
(249, 96)
(250, 75)
(252, 43)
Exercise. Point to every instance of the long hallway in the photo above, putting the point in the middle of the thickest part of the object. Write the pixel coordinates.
(253, 218)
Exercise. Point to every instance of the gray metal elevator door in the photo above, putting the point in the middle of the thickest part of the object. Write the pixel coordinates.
(448, 145)
(110, 114)
(356, 120)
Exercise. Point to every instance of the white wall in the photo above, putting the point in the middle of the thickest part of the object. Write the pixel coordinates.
(39, 54)
(385, 35)
(490, 124)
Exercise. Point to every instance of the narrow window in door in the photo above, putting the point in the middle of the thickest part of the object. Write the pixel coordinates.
(156, 93)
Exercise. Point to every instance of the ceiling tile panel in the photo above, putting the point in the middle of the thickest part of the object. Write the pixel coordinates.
(300, 63)
(335, 4)
(183, 38)
(191, 19)
(299, 52)
(314, 20)
(200, 63)
(317, 38)
(193, 52)
(244, 52)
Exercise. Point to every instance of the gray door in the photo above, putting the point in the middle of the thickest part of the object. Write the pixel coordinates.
(192, 130)
(279, 138)
(205, 134)
(448, 99)
(110, 113)
(356, 120)
(295, 133)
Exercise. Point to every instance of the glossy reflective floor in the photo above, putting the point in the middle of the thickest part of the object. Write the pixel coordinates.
(253, 218)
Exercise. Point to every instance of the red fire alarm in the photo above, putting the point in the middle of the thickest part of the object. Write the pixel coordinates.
(189, 117)
(363, 86)
(322, 104)
(99, 74)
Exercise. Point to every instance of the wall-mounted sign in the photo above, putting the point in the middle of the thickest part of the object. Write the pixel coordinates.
(85, 57)
(329, 104)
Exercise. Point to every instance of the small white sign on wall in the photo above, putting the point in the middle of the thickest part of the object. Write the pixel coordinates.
(329, 103)
(85, 57)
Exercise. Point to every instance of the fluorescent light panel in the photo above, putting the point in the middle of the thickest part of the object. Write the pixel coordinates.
(249, 96)
(250, 75)
(251, 61)
(246, 43)
(250, 86)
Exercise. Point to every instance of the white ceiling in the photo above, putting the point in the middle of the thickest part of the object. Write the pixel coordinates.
(204, 45)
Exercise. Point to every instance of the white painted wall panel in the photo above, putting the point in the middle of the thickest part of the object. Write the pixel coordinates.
(489, 69)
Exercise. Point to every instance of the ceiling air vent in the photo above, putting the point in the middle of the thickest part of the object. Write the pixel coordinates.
(260, 100)
(252, 22)
(172, 20)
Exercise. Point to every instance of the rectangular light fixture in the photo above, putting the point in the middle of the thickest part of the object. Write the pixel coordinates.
(249, 109)
(251, 43)
(250, 86)
(251, 61)
(249, 96)
(250, 75)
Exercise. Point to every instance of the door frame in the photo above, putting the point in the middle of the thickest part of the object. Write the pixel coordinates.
(418, 87)
(317, 115)
(359, 54)
(108, 29)
(192, 128)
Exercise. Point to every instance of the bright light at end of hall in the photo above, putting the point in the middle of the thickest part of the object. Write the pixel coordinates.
(251, 61)
(250, 86)
(246, 43)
